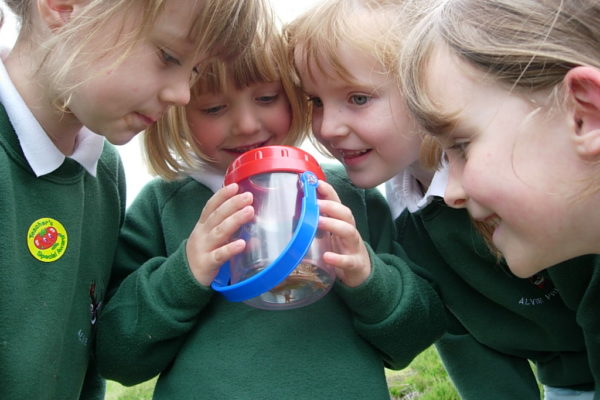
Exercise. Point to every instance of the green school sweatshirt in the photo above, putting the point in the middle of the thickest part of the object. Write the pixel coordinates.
(60, 234)
(498, 322)
(161, 321)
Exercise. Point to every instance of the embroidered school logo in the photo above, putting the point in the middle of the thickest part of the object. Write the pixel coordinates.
(47, 239)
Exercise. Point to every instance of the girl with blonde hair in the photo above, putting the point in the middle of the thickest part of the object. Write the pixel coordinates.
(511, 90)
(80, 75)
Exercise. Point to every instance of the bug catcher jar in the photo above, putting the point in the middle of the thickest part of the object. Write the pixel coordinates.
(281, 266)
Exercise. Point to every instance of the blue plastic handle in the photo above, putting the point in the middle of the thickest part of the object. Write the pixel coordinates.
(289, 258)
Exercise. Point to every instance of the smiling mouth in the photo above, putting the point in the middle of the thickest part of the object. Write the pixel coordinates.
(147, 120)
(486, 228)
(492, 221)
(243, 149)
(352, 154)
(488, 224)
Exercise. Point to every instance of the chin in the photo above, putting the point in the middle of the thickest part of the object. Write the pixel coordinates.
(519, 273)
(121, 139)
(115, 134)
(524, 267)
(363, 183)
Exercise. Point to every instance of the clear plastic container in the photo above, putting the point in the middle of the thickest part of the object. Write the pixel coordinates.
(282, 198)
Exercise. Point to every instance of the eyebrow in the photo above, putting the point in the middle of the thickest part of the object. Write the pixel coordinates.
(437, 124)
(175, 36)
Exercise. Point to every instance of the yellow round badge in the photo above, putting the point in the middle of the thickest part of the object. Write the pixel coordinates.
(47, 239)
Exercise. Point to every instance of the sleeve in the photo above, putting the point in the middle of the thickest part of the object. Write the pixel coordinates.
(395, 310)
(589, 319)
(578, 282)
(479, 371)
(153, 303)
(94, 387)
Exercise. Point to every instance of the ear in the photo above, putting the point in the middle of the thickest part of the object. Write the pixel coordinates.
(583, 88)
(56, 13)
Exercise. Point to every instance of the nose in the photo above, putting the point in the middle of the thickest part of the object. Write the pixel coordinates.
(176, 92)
(247, 121)
(455, 195)
(331, 124)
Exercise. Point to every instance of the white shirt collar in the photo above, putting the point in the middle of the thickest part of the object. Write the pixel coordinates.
(403, 191)
(209, 176)
(41, 153)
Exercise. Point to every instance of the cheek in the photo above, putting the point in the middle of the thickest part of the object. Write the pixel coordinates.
(206, 144)
(120, 81)
(396, 154)
(476, 176)
(96, 100)
(117, 96)
(405, 143)
(489, 181)
(283, 119)
(92, 91)
(205, 133)
(195, 125)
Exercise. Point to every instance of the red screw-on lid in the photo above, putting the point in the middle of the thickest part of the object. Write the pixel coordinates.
(272, 159)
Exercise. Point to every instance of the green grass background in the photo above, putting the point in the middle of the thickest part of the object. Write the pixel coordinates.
(424, 379)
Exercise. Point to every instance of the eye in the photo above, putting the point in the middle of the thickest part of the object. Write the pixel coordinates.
(215, 110)
(168, 58)
(359, 99)
(316, 101)
(458, 149)
(267, 99)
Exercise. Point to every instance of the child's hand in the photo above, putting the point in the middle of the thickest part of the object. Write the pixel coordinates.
(351, 259)
(208, 246)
